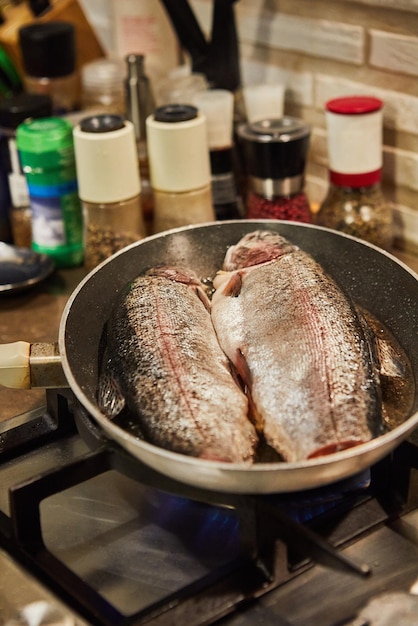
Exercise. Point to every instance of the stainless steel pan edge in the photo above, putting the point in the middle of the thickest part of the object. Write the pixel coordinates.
(373, 277)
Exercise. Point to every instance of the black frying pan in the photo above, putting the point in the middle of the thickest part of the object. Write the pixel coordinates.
(375, 280)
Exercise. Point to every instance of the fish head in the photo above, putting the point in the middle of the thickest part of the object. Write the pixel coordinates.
(255, 248)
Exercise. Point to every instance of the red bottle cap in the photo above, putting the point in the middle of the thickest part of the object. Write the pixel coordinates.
(354, 105)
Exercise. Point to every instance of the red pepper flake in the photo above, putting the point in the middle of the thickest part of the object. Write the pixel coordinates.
(295, 208)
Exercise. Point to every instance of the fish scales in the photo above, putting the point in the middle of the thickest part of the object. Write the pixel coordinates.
(163, 352)
(301, 347)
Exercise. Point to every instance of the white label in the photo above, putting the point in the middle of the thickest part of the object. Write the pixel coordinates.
(47, 223)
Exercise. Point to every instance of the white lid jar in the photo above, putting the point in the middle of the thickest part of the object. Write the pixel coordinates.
(354, 125)
(179, 163)
(355, 203)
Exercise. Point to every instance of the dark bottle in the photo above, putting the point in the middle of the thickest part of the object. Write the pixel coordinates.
(355, 203)
(13, 111)
(274, 153)
(218, 107)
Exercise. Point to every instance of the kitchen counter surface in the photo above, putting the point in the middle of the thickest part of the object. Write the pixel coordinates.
(34, 316)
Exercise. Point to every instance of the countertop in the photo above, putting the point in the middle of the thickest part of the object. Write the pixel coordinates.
(34, 316)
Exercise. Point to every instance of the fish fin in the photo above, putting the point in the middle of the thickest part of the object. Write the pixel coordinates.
(391, 364)
(233, 286)
(203, 297)
(242, 375)
(110, 398)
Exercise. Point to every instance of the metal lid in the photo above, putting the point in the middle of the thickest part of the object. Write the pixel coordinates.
(281, 130)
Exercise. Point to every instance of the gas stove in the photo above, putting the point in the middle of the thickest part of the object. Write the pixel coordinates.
(91, 536)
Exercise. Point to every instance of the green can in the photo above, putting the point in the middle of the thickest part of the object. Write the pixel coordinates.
(47, 156)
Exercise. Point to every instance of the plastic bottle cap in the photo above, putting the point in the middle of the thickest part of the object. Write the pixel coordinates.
(106, 159)
(178, 151)
(102, 123)
(354, 105)
(46, 134)
(218, 107)
(48, 49)
(354, 126)
(174, 113)
(16, 109)
(263, 101)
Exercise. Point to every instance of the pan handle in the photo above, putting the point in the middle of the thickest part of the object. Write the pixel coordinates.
(29, 366)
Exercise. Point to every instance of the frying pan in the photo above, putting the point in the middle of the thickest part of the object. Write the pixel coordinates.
(375, 279)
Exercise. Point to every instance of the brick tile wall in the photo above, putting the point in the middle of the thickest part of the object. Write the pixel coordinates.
(327, 48)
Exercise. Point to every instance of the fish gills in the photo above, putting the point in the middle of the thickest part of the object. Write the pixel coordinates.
(165, 364)
(304, 352)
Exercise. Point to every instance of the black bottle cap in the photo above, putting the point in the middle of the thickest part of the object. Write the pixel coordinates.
(48, 49)
(101, 123)
(16, 109)
(173, 113)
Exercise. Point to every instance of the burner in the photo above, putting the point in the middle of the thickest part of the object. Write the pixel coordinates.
(120, 543)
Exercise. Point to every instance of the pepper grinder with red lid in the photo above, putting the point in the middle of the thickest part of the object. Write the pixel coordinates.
(355, 203)
(273, 152)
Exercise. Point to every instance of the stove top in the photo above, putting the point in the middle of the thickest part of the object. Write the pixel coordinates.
(89, 536)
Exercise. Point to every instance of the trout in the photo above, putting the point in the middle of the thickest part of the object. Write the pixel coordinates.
(304, 352)
(164, 365)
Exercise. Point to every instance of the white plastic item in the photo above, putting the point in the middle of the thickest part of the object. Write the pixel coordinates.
(178, 154)
(107, 164)
(14, 365)
(218, 107)
(143, 27)
(355, 142)
(263, 101)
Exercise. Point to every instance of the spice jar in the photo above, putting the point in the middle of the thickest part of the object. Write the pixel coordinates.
(274, 155)
(46, 152)
(355, 203)
(179, 164)
(109, 186)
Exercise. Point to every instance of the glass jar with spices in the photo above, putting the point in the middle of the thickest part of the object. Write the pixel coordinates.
(109, 186)
(355, 203)
(274, 154)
